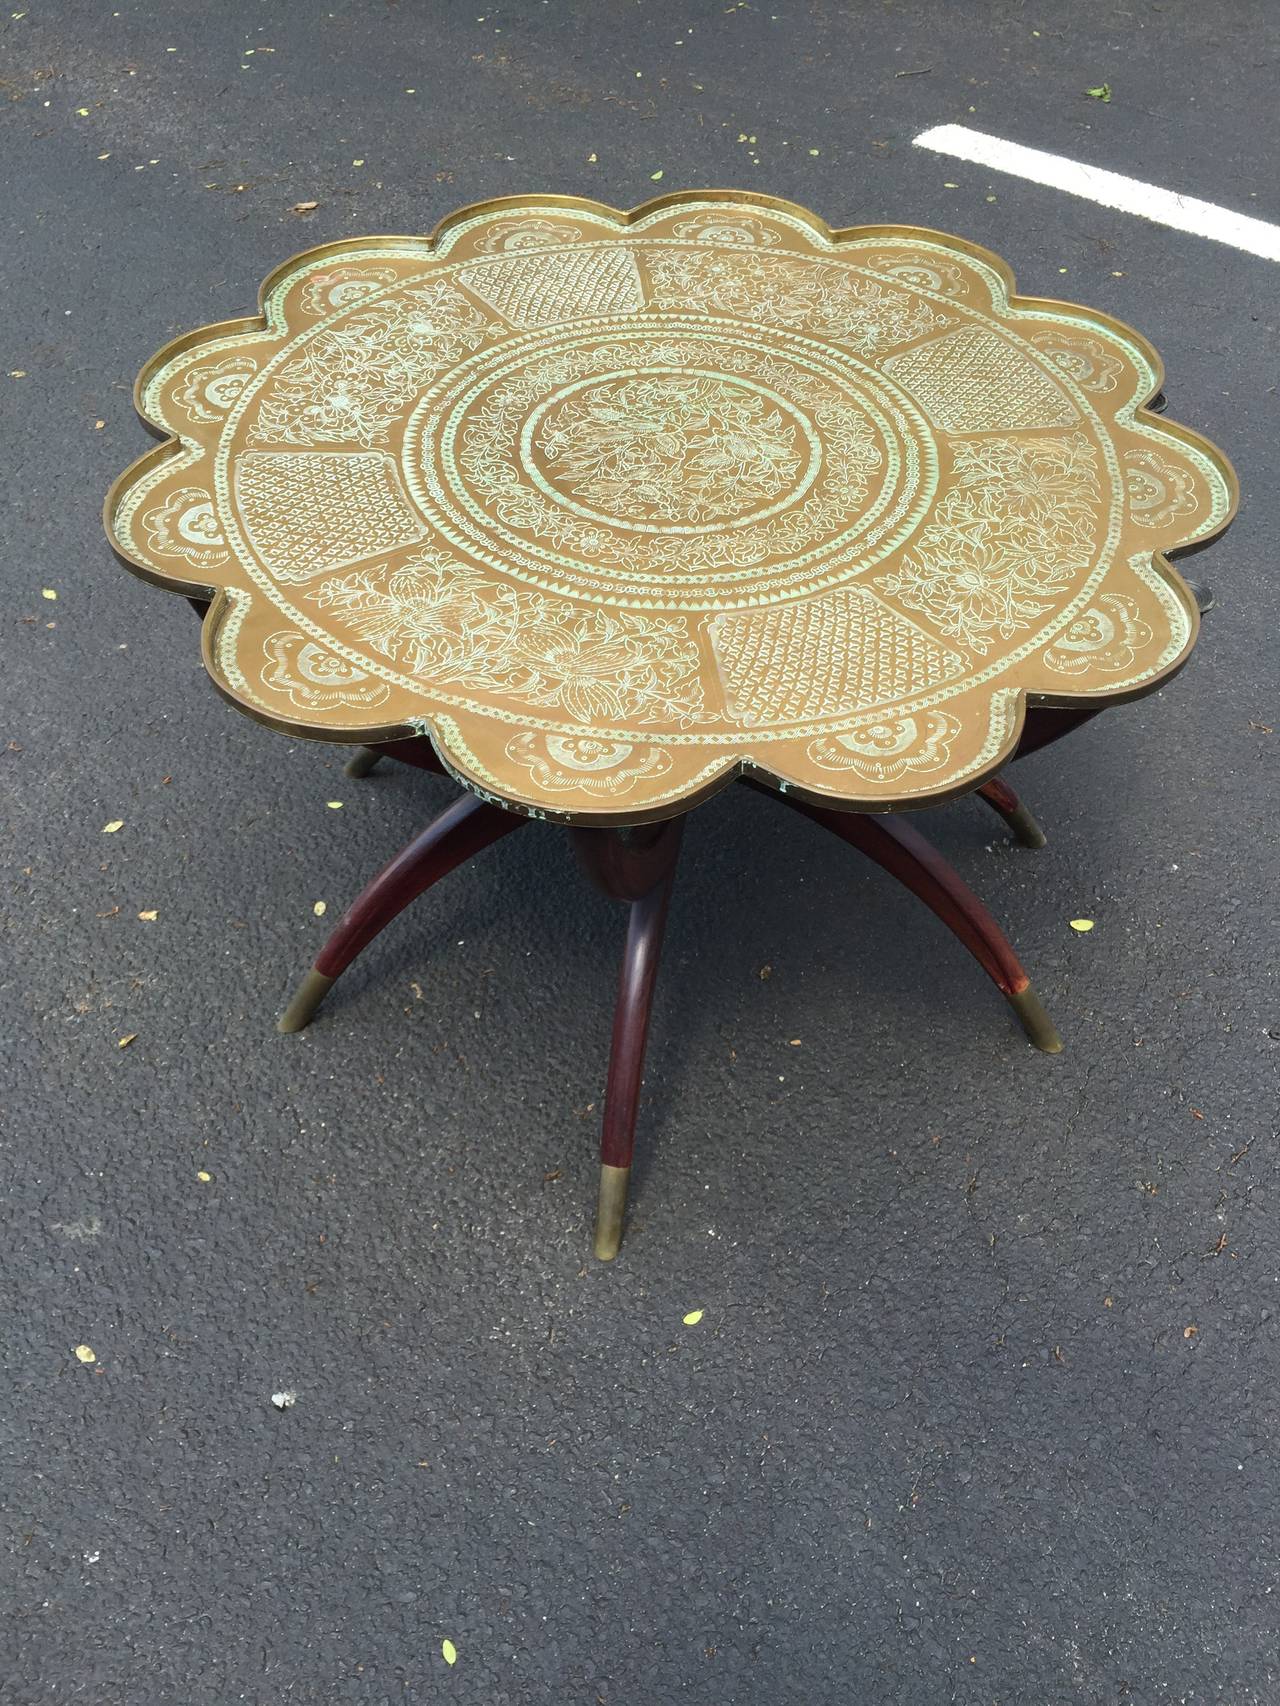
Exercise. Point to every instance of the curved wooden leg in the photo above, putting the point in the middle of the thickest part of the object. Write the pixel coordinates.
(1002, 799)
(417, 751)
(906, 855)
(1201, 591)
(362, 761)
(642, 871)
(458, 834)
(1047, 723)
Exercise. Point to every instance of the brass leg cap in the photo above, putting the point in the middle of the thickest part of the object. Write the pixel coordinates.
(361, 761)
(1026, 831)
(610, 1208)
(310, 993)
(1035, 1021)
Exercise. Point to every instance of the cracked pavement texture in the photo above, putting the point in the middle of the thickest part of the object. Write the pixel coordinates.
(982, 1407)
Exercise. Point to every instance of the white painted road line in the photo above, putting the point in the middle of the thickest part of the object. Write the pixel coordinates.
(1127, 195)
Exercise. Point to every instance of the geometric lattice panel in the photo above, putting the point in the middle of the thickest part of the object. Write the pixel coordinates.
(842, 651)
(972, 381)
(308, 511)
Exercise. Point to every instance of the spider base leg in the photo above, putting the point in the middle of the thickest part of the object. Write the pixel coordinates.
(905, 854)
(1002, 799)
(362, 761)
(640, 869)
(464, 829)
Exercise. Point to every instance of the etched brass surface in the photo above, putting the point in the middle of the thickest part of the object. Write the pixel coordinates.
(614, 506)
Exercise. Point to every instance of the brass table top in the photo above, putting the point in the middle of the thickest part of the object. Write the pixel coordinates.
(615, 506)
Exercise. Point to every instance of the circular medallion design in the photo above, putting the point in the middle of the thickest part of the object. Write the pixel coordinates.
(691, 467)
(668, 451)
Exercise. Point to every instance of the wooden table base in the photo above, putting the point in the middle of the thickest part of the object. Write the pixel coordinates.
(638, 867)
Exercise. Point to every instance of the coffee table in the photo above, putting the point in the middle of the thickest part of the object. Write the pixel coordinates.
(598, 512)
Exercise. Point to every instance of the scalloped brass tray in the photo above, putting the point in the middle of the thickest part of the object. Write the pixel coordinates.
(617, 506)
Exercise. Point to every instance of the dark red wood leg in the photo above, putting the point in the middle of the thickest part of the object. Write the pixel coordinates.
(362, 761)
(458, 834)
(1047, 723)
(1002, 799)
(417, 751)
(906, 855)
(640, 867)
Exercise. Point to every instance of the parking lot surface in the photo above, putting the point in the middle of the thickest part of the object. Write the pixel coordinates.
(981, 1406)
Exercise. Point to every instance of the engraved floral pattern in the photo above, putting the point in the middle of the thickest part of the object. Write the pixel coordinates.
(881, 752)
(731, 229)
(186, 526)
(826, 300)
(1086, 360)
(340, 287)
(447, 623)
(313, 678)
(1107, 636)
(613, 506)
(349, 382)
(583, 764)
(1159, 490)
(206, 393)
(1018, 524)
(506, 236)
(671, 448)
(490, 456)
(919, 270)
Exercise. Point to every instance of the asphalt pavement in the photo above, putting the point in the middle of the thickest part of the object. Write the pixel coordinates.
(982, 1403)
